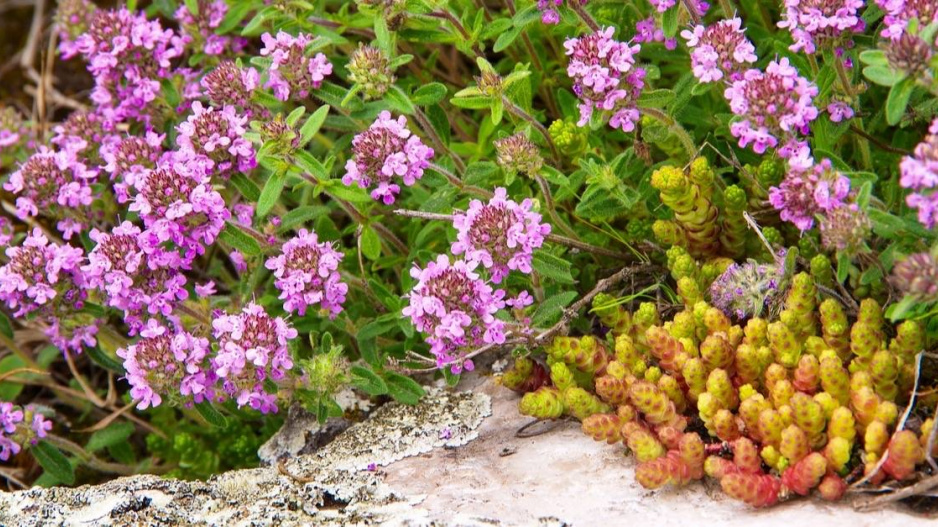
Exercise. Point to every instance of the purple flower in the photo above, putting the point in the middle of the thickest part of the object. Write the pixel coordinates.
(13, 131)
(52, 182)
(205, 290)
(501, 235)
(229, 84)
(662, 5)
(917, 276)
(9, 417)
(178, 204)
(140, 280)
(163, 363)
(127, 159)
(919, 173)
(81, 134)
(456, 310)
(773, 105)
(252, 347)
(219, 136)
(745, 289)
(72, 18)
(900, 12)
(845, 229)
(839, 111)
(648, 30)
(45, 278)
(127, 55)
(199, 29)
(804, 193)
(291, 72)
(814, 23)
(605, 77)
(385, 153)
(719, 50)
(6, 231)
(39, 427)
(238, 260)
(307, 274)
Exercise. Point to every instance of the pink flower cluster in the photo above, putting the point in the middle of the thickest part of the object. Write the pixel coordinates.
(291, 72)
(774, 106)
(814, 23)
(12, 129)
(178, 204)
(307, 273)
(141, 280)
(805, 193)
(900, 12)
(166, 363)
(605, 77)
(218, 135)
(919, 173)
(55, 182)
(384, 152)
(14, 432)
(648, 31)
(127, 55)
(456, 308)
(127, 160)
(229, 84)
(199, 29)
(501, 235)
(252, 347)
(45, 278)
(719, 50)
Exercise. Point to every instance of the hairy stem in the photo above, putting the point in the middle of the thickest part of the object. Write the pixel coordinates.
(847, 84)
(458, 183)
(518, 111)
(675, 128)
(584, 16)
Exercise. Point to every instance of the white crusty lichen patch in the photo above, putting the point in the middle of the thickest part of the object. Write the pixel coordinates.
(332, 486)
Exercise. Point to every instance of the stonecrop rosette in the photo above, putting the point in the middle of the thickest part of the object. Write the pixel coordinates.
(385, 153)
(501, 234)
(307, 274)
(252, 347)
(456, 309)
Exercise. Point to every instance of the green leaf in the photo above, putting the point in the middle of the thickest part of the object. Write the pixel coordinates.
(506, 39)
(368, 381)
(112, 435)
(898, 100)
(294, 116)
(256, 25)
(669, 21)
(552, 267)
(54, 462)
(472, 102)
(882, 75)
(245, 186)
(526, 16)
(103, 359)
(6, 327)
(211, 415)
(656, 98)
(193, 6)
(874, 57)
(9, 390)
(701, 88)
(552, 308)
(240, 240)
(236, 13)
(301, 215)
(378, 326)
(403, 389)
(429, 94)
(313, 124)
(370, 244)
(271, 193)
(843, 267)
(498, 110)
(354, 194)
(383, 35)
(496, 27)
(399, 100)
(309, 164)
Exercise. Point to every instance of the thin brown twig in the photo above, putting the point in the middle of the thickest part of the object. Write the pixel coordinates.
(282, 468)
(906, 492)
